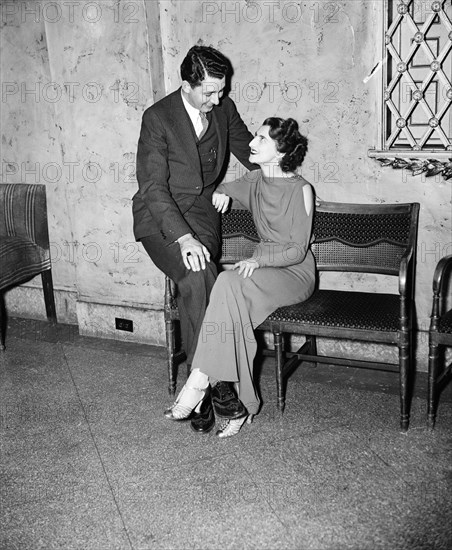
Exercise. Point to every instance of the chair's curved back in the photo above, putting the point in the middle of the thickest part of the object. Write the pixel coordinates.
(364, 237)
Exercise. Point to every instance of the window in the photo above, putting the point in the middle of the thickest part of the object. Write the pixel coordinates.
(417, 73)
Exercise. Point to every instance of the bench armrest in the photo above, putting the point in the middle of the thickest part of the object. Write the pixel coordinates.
(405, 272)
(439, 276)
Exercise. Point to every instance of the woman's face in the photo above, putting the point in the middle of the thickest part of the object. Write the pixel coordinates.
(263, 148)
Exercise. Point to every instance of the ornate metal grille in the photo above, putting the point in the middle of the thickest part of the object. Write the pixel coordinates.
(417, 113)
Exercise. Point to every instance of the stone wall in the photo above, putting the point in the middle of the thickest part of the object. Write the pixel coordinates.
(76, 81)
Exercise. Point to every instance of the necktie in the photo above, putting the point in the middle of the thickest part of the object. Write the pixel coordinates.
(205, 124)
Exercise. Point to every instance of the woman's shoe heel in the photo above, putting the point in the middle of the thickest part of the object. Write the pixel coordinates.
(188, 399)
(232, 427)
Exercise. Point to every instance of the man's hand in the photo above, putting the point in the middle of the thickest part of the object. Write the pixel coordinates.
(246, 267)
(194, 254)
(220, 201)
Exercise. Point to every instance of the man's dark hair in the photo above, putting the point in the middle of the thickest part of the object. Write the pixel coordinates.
(202, 61)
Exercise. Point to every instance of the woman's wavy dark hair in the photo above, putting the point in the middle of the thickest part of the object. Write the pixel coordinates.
(202, 60)
(288, 141)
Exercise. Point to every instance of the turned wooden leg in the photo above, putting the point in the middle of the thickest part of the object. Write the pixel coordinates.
(433, 358)
(279, 358)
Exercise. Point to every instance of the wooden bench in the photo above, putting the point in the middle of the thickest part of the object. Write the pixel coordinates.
(363, 238)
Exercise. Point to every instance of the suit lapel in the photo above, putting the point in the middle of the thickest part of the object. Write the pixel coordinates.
(220, 126)
(183, 130)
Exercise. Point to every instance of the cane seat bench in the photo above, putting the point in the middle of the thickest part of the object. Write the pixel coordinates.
(363, 238)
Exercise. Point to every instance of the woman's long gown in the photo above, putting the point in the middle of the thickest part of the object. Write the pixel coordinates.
(227, 345)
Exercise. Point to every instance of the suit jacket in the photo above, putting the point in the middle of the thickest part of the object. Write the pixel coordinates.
(168, 167)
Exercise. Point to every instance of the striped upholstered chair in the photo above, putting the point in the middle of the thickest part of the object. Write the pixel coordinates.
(24, 244)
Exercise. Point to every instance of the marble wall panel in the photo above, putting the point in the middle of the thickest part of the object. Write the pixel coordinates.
(309, 59)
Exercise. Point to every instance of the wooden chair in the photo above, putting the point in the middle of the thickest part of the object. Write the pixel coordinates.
(440, 334)
(364, 238)
(24, 244)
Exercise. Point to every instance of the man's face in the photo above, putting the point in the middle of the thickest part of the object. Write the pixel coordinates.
(205, 96)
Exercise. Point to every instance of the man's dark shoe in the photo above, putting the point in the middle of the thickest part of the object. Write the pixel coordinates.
(204, 421)
(225, 401)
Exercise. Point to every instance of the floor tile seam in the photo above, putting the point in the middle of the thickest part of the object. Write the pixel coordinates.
(387, 466)
(310, 433)
(102, 345)
(347, 427)
(107, 478)
(292, 533)
(291, 538)
(366, 444)
(342, 385)
(291, 468)
(197, 461)
(46, 409)
(106, 348)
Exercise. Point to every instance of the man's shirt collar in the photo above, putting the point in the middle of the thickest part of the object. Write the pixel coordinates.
(192, 112)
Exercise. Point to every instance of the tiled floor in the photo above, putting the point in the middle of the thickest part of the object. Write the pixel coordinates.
(89, 462)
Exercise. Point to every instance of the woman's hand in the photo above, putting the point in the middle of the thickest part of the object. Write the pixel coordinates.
(220, 201)
(246, 267)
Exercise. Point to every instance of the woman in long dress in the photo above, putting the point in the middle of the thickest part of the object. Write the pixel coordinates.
(280, 272)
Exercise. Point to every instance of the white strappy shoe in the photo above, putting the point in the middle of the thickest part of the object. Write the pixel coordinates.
(190, 396)
(188, 400)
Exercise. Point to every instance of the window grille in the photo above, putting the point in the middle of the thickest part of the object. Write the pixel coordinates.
(417, 75)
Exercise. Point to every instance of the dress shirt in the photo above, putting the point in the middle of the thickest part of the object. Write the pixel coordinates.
(193, 114)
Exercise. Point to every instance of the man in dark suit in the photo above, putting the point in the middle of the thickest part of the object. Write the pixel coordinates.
(182, 155)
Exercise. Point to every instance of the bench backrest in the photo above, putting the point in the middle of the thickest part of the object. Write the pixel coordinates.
(370, 238)
(239, 236)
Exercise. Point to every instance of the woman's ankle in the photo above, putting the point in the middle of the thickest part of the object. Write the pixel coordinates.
(197, 379)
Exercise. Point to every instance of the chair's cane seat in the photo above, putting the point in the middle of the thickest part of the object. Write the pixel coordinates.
(445, 323)
(335, 308)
